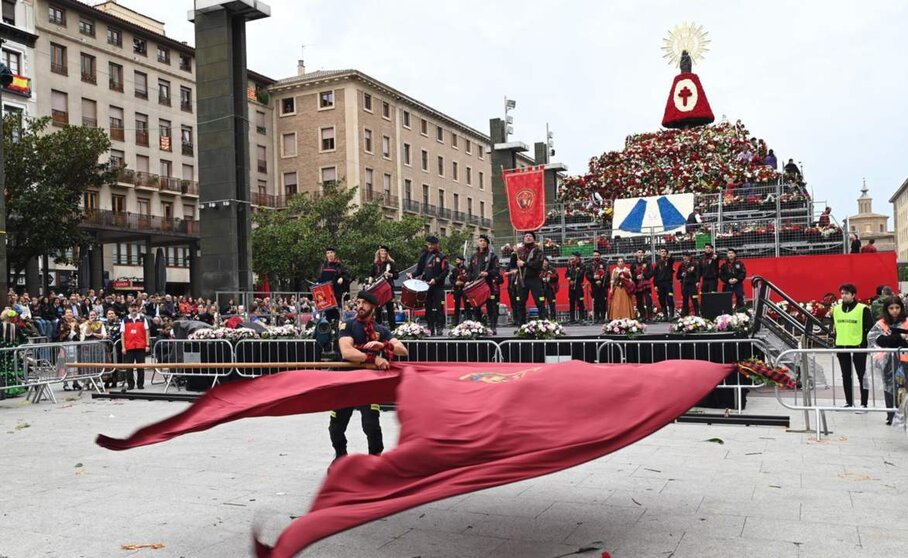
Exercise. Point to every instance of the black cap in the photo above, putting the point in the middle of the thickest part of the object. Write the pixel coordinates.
(578, 254)
(485, 237)
(431, 239)
(383, 247)
(531, 233)
(368, 297)
(459, 258)
(330, 249)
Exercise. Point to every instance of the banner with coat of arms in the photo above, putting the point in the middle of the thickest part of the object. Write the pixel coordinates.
(525, 189)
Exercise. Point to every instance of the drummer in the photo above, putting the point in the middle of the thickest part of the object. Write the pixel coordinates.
(333, 271)
(484, 266)
(433, 269)
(384, 267)
(458, 278)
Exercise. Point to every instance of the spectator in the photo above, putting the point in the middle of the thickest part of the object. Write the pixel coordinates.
(770, 160)
(168, 308)
(92, 329)
(855, 244)
(870, 247)
(824, 218)
(694, 220)
(889, 365)
(745, 156)
(792, 172)
(876, 306)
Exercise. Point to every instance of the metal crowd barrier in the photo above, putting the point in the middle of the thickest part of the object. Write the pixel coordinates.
(805, 397)
(215, 351)
(558, 350)
(273, 350)
(36, 367)
(466, 350)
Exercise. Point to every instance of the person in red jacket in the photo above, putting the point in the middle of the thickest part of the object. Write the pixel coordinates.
(870, 247)
(136, 338)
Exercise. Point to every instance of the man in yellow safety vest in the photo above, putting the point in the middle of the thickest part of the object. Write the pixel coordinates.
(851, 322)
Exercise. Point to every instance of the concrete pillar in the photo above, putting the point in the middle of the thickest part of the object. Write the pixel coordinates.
(32, 277)
(96, 267)
(195, 287)
(148, 278)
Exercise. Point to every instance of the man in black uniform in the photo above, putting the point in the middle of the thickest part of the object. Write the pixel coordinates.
(529, 265)
(484, 265)
(333, 271)
(732, 272)
(664, 277)
(575, 275)
(709, 269)
(458, 278)
(642, 270)
(550, 286)
(364, 341)
(513, 290)
(433, 269)
(689, 276)
(598, 276)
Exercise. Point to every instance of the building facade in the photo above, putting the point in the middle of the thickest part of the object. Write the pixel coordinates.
(869, 225)
(899, 202)
(344, 126)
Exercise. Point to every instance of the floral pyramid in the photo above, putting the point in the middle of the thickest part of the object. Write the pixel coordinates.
(697, 160)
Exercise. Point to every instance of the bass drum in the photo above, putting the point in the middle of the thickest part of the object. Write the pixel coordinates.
(413, 294)
(477, 292)
(382, 291)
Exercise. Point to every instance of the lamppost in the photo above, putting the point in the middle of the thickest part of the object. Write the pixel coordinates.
(6, 78)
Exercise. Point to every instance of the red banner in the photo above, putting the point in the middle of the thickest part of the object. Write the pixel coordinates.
(323, 296)
(525, 189)
(455, 427)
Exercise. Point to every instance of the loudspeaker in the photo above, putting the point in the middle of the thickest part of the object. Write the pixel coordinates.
(715, 304)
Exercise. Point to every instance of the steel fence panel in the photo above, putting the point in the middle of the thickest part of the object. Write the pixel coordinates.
(462, 350)
(551, 350)
(192, 351)
(275, 351)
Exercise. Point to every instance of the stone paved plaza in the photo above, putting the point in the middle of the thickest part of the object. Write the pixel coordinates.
(763, 492)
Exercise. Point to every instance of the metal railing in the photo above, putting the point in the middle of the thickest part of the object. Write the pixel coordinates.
(451, 350)
(186, 351)
(36, 367)
(274, 350)
(780, 321)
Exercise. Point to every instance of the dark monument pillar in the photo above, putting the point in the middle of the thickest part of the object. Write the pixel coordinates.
(148, 278)
(32, 277)
(504, 156)
(96, 267)
(221, 83)
(194, 281)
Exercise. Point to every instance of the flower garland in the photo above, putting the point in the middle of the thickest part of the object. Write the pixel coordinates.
(469, 330)
(411, 330)
(284, 332)
(226, 333)
(692, 324)
(540, 329)
(758, 370)
(739, 322)
(624, 326)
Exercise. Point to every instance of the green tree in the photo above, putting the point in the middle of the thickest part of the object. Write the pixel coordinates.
(47, 175)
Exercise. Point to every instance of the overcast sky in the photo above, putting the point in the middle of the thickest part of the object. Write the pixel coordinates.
(824, 82)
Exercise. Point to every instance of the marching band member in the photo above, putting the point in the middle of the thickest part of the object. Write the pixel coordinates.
(459, 277)
(689, 276)
(575, 275)
(550, 285)
(664, 277)
(433, 269)
(484, 265)
(529, 265)
(597, 275)
(709, 269)
(732, 273)
(333, 271)
(642, 271)
(384, 267)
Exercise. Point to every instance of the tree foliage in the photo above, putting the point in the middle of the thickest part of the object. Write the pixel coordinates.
(47, 175)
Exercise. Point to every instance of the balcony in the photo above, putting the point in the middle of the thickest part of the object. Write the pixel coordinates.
(59, 117)
(142, 138)
(460, 216)
(164, 100)
(59, 69)
(472, 219)
(444, 213)
(188, 149)
(90, 78)
(143, 179)
(116, 86)
(411, 206)
(429, 209)
(485, 222)
(117, 134)
(21, 85)
(390, 200)
(170, 184)
(89, 122)
(105, 218)
(186, 106)
(189, 187)
(142, 93)
(266, 200)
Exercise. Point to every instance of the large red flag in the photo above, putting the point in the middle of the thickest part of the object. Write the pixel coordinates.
(526, 197)
(464, 427)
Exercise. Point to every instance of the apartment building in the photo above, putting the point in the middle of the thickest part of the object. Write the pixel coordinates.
(399, 152)
(110, 67)
(18, 33)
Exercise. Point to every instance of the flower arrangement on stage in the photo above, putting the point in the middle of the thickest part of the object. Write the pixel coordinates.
(411, 330)
(739, 322)
(225, 333)
(758, 370)
(469, 330)
(624, 326)
(283, 332)
(540, 329)
(702, 159)
(692, 324)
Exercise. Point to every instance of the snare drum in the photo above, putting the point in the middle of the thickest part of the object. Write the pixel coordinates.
(477, 292)
(323, 296)
(413, 294)
(382, 291)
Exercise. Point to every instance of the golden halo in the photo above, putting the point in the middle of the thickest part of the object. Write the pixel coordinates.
(686, 36)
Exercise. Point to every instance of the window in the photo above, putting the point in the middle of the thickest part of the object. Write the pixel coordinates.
(454, 168)
(288, 105)
(456, 202)
(89, 113)
(142, 163)
(188, 212)
(141, 85)
(291, 187)
(260, 122)
(329, 176)
(367, 102)
(59, 103)
(327, 139)
(86, 27)
(56, 15)
(164, 92)
(163, 55)
(407, 154)
(186, 141)
(443, 231)
(386, 110)
(439, 134)
(118, 203)
(480, 151)
(367, 140)
(87, 63)
(368, 184)
(117, 158)
(469, 176)
(424, 126)
(13, 61)
(425, 160)
(441, 198)
(406, 119)
(469, 147)
(441, 166)
(262, 158)
(166, 168)
(408, 190)
(481, 181)
(454, 140)
(188, 172)
(185, 99)
(185, 62)
(386, 147)
(9, 12)
(881, 228)
(470, 207)
(425, 194)
(139, 46)
(142, 129)
(114, 37)
(58, 59)
(116, 123)
(164, 141)
(326, 99)
(90, 200)
(115, 73)
(167, 210)
(288, 145)
(386, 185)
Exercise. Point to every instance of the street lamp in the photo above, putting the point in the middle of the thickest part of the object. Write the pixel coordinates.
(509, 105)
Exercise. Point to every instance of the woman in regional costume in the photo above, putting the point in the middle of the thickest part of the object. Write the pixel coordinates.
(621, 295)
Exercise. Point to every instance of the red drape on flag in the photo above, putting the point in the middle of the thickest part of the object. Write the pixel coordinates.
(464, 427)
(525, 189)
